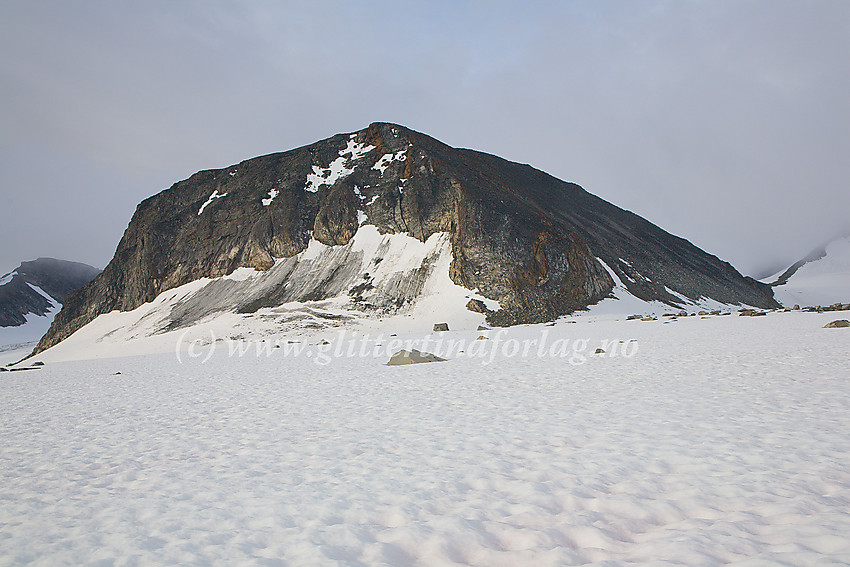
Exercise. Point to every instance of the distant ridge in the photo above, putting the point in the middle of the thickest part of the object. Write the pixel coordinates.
(822, 277)
(813, 256)
(32, 293)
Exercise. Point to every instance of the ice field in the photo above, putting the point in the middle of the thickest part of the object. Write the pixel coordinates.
(712, 441)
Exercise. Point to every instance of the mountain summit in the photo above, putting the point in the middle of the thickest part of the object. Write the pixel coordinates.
(317, 221)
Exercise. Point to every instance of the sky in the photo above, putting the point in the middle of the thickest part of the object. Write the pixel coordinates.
(724, 122)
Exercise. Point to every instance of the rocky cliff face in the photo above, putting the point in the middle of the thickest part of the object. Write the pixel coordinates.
(33, 287)
(517, 235)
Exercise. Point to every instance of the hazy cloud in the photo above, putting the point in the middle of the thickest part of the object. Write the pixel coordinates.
(726, 123)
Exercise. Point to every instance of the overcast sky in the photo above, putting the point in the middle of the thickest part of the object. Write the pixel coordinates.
(724, 122)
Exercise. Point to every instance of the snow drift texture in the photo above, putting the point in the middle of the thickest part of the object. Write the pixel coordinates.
(722, 441)
(519, 236)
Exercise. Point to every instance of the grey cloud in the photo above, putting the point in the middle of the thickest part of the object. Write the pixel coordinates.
(725, 123)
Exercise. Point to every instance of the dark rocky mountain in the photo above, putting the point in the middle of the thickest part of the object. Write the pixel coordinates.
(54, 278)
(518, 235)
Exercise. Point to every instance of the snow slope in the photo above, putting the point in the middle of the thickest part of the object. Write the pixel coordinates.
(622, 302)
(388, 283)
(8, 277)
(819, 282)
(694, 442)
(399, 270)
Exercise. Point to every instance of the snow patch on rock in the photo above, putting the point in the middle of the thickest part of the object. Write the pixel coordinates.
(338, 168)
(384, 162)
(272, 194)
(215, 195)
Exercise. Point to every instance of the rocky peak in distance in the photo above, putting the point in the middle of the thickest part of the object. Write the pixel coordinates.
(35, 286)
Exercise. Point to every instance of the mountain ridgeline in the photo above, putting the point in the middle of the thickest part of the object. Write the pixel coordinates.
(539, 246)
(35, 286)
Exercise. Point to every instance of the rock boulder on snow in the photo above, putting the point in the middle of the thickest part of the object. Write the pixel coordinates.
(412, 356)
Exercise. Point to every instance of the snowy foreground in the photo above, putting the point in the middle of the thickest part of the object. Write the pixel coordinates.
(700, 442)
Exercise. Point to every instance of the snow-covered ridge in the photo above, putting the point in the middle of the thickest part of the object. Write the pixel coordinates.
(8, 277)
(819, 282)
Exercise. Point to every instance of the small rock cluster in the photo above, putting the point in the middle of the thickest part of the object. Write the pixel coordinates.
(751, 313)
(821, 308)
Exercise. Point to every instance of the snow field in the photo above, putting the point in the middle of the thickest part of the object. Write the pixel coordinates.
(722, 441)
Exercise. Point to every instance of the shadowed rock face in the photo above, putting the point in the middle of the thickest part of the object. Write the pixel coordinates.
(54, 277)
(518, 235)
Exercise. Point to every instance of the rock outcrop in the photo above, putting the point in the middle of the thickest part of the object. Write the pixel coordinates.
(536, 244)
